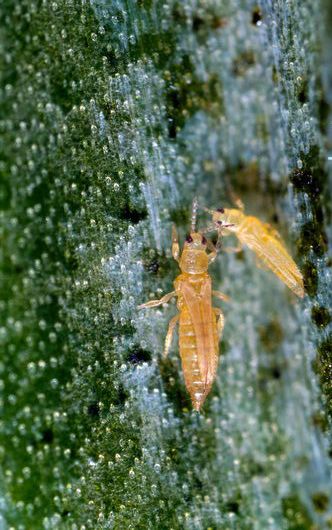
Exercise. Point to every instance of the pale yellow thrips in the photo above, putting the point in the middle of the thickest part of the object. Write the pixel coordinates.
(200, 324)
(264, 240)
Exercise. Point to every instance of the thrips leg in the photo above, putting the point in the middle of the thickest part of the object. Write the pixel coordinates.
(221, 296)
(175, 244)
(169, 336)
(220, 320)
(237, 201)
(155, 303)
(222, 232)
(213, 253)
(234, 249)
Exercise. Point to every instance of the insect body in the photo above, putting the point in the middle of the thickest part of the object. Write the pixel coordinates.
(263, 240)
(200, 324)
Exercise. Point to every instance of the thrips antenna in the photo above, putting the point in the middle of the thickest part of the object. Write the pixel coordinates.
(208, 210)
(194, 215)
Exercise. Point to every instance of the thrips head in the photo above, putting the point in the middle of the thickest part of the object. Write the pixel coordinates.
(195, 240)
(221, 218)
(194, 258)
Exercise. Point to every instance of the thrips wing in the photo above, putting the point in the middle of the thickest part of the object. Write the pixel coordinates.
(210, 332)
(269, 247)
(204, 321)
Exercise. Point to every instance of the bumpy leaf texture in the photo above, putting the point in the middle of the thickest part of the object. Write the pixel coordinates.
(114, 115)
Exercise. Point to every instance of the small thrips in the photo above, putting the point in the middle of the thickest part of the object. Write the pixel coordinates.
(200, 324)
(262, 239)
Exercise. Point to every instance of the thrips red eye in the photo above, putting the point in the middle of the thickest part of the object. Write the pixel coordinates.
(221, 210)
(189, 239)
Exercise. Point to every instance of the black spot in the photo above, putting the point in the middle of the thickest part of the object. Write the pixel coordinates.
(256, 16)
(152, 266)
(138, 356)
(303, 92)
(312, 176)
(232, 506)
(189, 239)
(93, 410)
(47, 436)
(132, 214)
(198, 23)
(172, 130)
(276, 372)
(306, 181)
(312, 237)
(221, 210)
(320, 501)
(320, 316)
(310, 276)
(174, 387)
(204, 240)
(121, 397)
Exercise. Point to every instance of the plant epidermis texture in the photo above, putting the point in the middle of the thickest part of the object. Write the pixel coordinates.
(114, 115)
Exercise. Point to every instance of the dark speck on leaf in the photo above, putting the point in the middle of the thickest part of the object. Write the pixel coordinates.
(47, 436)
(320, 501)
(232, 506)
(197, 23)
(321, 316)
(153, 266)
(276, 372)
(93, 409)
(138, 356)
(121, 397)
(310, 276)
(256, 16)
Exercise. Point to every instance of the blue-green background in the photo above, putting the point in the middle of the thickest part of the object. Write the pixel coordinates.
(114, 114)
